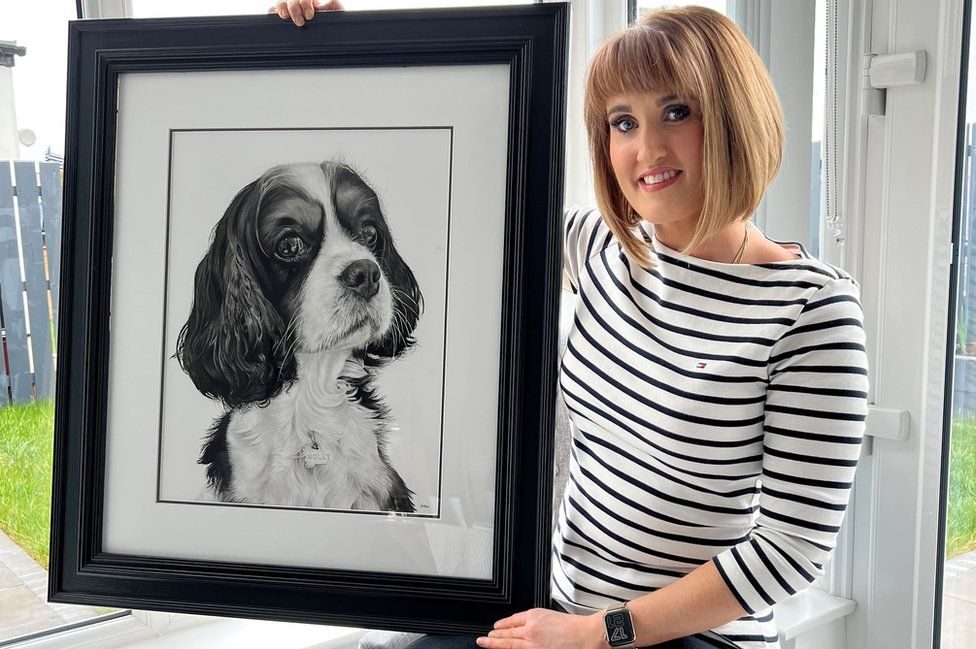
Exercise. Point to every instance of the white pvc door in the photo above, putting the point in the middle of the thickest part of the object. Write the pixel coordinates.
(901, 231)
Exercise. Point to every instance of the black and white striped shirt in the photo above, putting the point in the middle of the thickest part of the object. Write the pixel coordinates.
(716, 412)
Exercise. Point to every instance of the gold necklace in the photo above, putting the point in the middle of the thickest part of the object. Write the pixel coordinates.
(742, 249)
(738, 256)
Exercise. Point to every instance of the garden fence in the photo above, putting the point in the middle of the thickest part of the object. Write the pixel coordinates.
(964, 382)
(30, 247)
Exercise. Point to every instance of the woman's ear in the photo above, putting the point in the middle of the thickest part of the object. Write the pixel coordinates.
(231, 344)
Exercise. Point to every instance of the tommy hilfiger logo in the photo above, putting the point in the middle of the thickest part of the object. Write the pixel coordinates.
(701, 366)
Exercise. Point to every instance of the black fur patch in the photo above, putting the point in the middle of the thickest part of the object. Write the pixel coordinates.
(401, 498)
(214, 454)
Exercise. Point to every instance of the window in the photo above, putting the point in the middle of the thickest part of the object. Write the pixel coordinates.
(33, 50)
(641, 7)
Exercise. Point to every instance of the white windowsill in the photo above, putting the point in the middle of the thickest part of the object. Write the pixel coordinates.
(220, 633)
(804, 612)
(151, 630)
(808, 610)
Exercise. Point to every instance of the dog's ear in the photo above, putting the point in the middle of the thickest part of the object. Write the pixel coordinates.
(232, 344)
(408, 305)
(349, 189)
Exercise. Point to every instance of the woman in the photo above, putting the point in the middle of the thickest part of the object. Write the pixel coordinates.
(716, 379)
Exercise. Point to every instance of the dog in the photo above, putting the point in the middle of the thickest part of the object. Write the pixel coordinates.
(299, 301)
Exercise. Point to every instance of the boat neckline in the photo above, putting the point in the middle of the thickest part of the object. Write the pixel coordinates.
(659, 245)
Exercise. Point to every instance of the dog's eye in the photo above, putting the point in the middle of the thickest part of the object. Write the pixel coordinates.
(369, 234)
(290, 247)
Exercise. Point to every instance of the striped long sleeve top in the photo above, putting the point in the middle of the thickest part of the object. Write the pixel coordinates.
(716, 413)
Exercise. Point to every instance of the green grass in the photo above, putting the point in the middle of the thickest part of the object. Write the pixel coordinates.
(26, 449)
(961, 532)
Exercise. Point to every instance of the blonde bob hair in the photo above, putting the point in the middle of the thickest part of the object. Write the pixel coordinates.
(698, 54)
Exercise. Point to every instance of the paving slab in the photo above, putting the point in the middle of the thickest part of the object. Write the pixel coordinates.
(959, 602)
(23, 596)
(962, 586)
(958, 623)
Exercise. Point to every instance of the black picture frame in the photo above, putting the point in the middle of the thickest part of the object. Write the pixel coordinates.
(533, 41)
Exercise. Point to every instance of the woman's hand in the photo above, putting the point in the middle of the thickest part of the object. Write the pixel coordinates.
(541, 628)
(301, 10)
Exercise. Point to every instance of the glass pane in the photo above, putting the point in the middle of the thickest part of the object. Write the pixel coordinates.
(643, 6)
(817, 132)
(33, 51)
(959, 577)
(158, 8)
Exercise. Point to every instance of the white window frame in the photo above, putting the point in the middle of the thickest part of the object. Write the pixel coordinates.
(906, 175)
(591, 22)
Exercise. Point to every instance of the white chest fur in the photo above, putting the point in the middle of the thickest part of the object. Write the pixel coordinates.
(265, 444)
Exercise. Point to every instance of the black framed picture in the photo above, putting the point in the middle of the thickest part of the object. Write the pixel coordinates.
(308, 328)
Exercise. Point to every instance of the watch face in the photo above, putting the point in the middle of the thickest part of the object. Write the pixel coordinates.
(620, 630)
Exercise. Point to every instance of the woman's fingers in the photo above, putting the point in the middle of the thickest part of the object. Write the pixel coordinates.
(500, 643)
(295, 12)
(300, 11)
(511, 621)
(281, 8)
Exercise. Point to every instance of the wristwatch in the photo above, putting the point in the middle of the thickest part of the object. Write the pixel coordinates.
(619, 627)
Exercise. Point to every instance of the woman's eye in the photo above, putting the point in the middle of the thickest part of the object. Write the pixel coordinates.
(369, 234)
(682, 111)
(290, 247)
(623, 124)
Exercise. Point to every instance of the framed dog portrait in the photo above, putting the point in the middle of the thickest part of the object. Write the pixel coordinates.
(307, 351)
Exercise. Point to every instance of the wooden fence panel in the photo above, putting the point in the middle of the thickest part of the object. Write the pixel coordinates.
(964, 377)
(12, 296)
(51, 208)
(29, 207)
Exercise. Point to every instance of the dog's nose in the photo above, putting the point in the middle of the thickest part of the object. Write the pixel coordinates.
(362, 277)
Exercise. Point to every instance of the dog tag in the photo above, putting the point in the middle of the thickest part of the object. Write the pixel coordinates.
(314, 456)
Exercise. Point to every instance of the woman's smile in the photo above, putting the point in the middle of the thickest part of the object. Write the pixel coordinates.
(657, 183)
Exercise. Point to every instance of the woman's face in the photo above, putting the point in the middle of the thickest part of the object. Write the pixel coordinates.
(652, 134)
